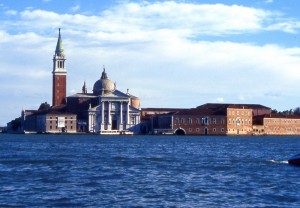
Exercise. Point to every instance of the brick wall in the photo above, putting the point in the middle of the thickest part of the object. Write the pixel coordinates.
(239, 121)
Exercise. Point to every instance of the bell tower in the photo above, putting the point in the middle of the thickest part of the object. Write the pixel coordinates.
(59, 74)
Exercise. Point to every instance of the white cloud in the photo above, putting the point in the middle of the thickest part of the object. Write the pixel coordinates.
(289, 26)
(128, 18)
(75, 8)
(142, 21)
(220, 100)
(11, 12)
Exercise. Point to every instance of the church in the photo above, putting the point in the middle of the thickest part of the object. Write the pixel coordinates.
(105, 110)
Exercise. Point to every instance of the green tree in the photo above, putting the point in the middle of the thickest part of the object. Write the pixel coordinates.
(16, 124)
(44, 107)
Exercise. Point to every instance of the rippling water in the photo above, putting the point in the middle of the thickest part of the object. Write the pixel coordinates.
(148, 171)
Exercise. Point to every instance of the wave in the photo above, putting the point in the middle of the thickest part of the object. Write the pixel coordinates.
(279, 161)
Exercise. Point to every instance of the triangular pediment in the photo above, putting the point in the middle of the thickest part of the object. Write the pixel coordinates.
(115, 94)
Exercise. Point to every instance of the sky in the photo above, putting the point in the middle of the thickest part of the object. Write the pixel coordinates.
(178, 54)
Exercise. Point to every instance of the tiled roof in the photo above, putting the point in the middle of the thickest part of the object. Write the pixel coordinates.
(84, 95)
(199, 111)
(60, 109)
(164, 109)
(232, 105)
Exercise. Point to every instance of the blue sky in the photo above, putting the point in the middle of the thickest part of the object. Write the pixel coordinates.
(169, 53)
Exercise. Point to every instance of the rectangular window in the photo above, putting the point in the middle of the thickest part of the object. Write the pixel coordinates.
(182, 120)
(197, 121)
(205, 120)
(222, 121)
(214, 120)
(190, 121)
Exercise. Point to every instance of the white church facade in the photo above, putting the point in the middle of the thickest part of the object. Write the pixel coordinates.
(110, 111)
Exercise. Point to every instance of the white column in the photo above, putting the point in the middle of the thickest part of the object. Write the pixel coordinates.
(91, 123)
(109, 116)
(109, 109)
(121, 112)
(102, 112)
(121, 126)
(127, 114)
(102, 116)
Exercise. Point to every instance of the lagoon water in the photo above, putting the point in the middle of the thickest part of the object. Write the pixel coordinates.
(148, 171)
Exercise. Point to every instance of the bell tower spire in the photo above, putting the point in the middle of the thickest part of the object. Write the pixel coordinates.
(59, 74)
(59, 46)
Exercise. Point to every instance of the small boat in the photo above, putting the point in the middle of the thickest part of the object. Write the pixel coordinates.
(295, 160)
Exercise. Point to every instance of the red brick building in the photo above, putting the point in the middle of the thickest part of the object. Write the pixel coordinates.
(277, 124)
(197, 121)
(207, 119)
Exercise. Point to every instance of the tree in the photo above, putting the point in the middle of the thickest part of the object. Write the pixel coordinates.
(274, 111)
(16, 124)
(44, 107)
(297, 111)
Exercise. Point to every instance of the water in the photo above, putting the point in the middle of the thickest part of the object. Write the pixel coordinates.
(148, 171)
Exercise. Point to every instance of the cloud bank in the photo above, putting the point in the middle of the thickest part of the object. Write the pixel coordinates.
(169, 54)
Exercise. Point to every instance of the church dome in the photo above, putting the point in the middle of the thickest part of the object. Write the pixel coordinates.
(103, 85)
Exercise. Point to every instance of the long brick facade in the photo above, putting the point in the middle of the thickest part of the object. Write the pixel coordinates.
(222, 119)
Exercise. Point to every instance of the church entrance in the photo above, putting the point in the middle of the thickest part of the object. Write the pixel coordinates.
(114, 125)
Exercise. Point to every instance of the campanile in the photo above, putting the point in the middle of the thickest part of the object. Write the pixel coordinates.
(59, 74)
